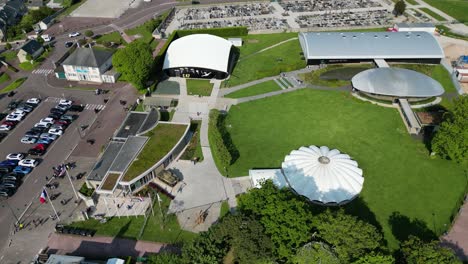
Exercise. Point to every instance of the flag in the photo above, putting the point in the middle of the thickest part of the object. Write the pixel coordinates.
(43, 197)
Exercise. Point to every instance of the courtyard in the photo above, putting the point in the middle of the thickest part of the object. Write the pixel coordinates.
(406, 191)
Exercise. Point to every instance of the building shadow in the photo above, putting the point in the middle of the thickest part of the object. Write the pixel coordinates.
(402, 227)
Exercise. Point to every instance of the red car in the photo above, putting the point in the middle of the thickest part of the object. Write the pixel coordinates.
(62, 122)
(10, 123)
(38, 150)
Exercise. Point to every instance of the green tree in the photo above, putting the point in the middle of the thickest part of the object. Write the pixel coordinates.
(284, 215)
(165, 258)
(415, 251)
(89, 33)
(135, 62)
(451, 141)
(315, 252)
(207, 248)
(375, 259)
(351, 238)
(8, 46)
(400, 8)
(29, 57)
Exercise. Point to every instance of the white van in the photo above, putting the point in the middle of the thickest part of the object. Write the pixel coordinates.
(46, 37)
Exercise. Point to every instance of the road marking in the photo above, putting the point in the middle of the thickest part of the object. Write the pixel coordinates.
(43, 71)
(95, 106)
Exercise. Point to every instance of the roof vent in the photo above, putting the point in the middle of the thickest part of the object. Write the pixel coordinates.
(343, 36)
(418, 35)
(407, 36)
(375, 36)
(354, 37)
(386, 36)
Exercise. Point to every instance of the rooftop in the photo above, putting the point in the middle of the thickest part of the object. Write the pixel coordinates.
(102, 166)
(31, 46)
(370, 45)
(137, 122)
(87, 57)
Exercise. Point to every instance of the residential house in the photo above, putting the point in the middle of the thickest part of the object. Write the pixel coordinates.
(34, 4)
(45, 23)
(31, 47)
(89, 65)
(11, 12)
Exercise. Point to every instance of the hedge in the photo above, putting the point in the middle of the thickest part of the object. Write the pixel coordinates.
(220, 32)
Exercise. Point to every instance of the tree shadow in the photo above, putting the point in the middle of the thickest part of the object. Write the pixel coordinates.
(402, 227)
(124, 229)
(459, 252)
(358, 207)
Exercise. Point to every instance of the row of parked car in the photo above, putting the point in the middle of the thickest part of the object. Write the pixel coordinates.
(20, 110)
(48, 129)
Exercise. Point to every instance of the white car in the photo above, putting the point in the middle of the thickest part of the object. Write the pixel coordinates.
(55, 131)
(48, 120)
(5, 128)
(28, 140)
(48, 136)
(43, 125)
(58, 126)
(65, 102)
(28, 163)
(19, 112)
(12, 117)
(15, 156)
(74, 34)
(33, 101)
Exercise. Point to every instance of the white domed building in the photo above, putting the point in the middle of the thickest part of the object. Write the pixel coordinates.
(324, 176)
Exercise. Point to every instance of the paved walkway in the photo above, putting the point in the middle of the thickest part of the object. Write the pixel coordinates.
(457, 238)
(103, 247)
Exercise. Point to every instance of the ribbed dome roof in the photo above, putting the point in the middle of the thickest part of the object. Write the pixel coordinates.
(323, 175)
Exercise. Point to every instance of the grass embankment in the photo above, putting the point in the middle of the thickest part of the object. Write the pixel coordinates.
(159, 228)
(437, 72)
(454, 8)
(4, 78)
(334, 75)
(432, 14)
(261, 88)
(9, 56)
(445, 31)
(253, 64)
(161, 140)
(400, 176)
(15, 84)
(199, 87)
(194, 150)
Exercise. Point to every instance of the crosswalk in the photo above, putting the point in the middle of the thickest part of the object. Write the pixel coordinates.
(87, 106)
(43, 71)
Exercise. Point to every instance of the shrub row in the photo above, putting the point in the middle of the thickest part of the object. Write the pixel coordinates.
(219, 149)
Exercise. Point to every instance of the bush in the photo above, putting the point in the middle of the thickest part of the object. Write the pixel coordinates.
(89, 33)
(220, 32)
(8, 46)
(86, 191)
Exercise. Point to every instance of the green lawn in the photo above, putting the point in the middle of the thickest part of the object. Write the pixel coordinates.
(199, 87)
(28, 66)
(400, 176)
(283, 58)
(437, 72)
(343, 73)
(15, 84)
(111, 37)
(71, 8)
(455, 8)
(9, 56)
(4, 77)
(433, 14)
(261, 88)
(448, 33)
(194, 148)
(142, 31)
(129, 227)
(224, 209)
(161, 140)
(257, 42)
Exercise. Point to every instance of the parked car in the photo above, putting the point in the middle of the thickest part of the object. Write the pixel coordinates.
(69, 117)
(9, 162)
(38, 150)
(15, 156)
(68, 44)
(19, 112)
(65, 102)
(38, 129)
(25, 108)
(49, 136)
(32, 163)
(58, 126)
(43, 125)
(6, 169)
(74, 34)
(33, 101)
(13, 104)
(55, 131)
(6, 128)
(64, 108)
(12, 177)
(7, 192)
(32, 133)
(3, 135)
(58, 111)
(22, 170)
(46, 141)
(47, 120)
(8, 185)
(47, 37)
(62, 122)
(12, 117)
(28, 140)
(55, 116)
(10, 123)
(76, 108)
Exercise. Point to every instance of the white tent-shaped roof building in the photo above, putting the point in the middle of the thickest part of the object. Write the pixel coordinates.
(322, 175)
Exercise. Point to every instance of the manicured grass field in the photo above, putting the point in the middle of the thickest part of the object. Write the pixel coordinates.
(455, 8)
(111, 37)
(199, 87)
(129, 227)
(9, 56)
(343, 74)
(161, 140)
(400, 176)
(257, 42)
(261, 88)
(283, 58)
(4, 77)
(432, 14)
(437, 72)
(15, 84)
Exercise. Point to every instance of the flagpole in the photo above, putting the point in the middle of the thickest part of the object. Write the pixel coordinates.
(160, 210)
(50, 201)
(71, 183)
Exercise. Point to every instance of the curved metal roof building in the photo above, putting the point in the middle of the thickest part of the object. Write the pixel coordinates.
(198, 52)
(397, 82)
(322, 175)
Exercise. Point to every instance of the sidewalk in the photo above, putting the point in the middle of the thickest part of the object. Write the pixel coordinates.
(457, 238)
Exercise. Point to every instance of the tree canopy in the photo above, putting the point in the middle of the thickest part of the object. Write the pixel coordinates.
(375, 259)
(315, 252)
(415, 251)
(451, 141)
(400, 8)
(135, 63)
(351, 238)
